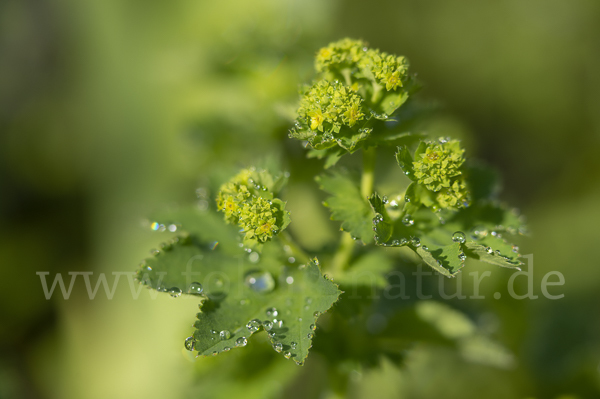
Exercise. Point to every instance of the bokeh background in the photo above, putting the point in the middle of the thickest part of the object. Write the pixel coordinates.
(111, 109)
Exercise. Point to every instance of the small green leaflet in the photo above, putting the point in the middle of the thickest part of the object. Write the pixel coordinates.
(242, 294)
(347, 205)
(423, 230)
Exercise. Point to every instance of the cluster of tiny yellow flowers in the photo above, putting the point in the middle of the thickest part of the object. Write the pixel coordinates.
(258, 219)
(346, 52)
(238, 201)
(389, 70)
(327, 106)
(438, 168)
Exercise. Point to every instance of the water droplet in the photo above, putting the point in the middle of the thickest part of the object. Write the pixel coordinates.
(299, 318)
(515, 249)
(317, 314)
(408, 220)
(154, 226)
(425, 248)
(289, 280)
(310, 335)
(415, 241)
(459, 236)
(241, 341)
(489, 250)
(287, 355)
(189, 343)
(462, 256)
(312, 327)
(478, 232)
(271, 312)
(291, 259)
(267, 325)
(253, 325)
(293, 345)
(195, 288)
(271, 334)
(225, 334)
(278, 323)
(278, 346)
(253, 257)
(261, 282)
(226, 349)
(154, 252)
(174, 292)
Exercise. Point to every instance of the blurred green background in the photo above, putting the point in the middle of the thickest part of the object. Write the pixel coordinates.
(110, 109)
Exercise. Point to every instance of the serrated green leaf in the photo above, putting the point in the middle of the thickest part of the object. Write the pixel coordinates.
(445, 260)
(382, 223)
(405, 161)
(347, 205)
(331, 155)
(236, 291)
(205, 225)
(495, 251)
(368, 270)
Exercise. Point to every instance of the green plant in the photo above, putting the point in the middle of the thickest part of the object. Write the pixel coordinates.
(248, 272)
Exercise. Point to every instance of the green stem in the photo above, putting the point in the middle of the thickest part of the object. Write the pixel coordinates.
(366, 181)
(347, 76)
(295, 249)
(342, 257)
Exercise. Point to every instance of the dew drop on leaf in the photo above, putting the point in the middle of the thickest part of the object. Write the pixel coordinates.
(253, 325)
(189, 343)
(278, 346)
(267, 325)
(195, 288)
(459, 236)
(261, 282)
(271, 312)
(225, 334)
(241, 341)
(174, 292)
(408, 220)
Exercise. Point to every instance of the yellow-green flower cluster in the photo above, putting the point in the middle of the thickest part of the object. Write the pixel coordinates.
(258, 220)
(346, 52)
(327, 106)
(438, 168)
(232, 195)
(454, 196)
(389, 70)
(245, 201)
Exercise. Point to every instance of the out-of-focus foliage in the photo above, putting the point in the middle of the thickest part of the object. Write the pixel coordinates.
(109, 109)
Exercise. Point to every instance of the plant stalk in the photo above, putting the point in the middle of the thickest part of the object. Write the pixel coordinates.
(343, 255)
